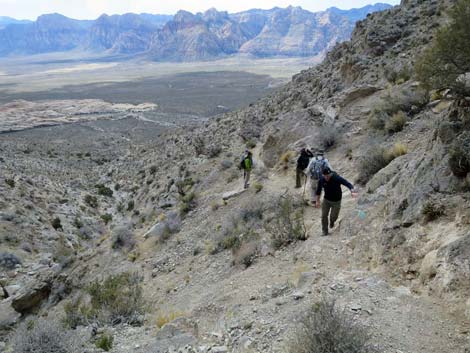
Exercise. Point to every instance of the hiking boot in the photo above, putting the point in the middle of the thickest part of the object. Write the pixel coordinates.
(324, 234)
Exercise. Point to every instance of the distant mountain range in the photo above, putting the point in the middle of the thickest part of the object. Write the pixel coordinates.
(290, 31)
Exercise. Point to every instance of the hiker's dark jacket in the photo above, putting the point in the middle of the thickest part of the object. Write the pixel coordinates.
(304, 159)
(333, 187)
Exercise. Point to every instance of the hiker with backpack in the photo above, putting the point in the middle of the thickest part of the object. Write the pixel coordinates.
(302, 164)
(331, 183)
(315, 171)
(246, 163)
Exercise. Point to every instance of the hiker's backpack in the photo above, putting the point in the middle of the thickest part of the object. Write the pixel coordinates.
(242, 161)
(318, 165)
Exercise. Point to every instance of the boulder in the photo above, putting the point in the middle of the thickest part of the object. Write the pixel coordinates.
(31, 297)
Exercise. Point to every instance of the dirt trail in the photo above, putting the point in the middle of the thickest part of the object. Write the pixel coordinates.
(407, 322)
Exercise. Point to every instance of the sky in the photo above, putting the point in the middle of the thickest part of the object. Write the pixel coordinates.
(92, 9)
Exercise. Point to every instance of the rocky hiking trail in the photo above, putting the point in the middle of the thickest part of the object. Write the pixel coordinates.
(224, 308)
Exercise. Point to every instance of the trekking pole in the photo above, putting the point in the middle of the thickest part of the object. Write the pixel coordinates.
(305, 184)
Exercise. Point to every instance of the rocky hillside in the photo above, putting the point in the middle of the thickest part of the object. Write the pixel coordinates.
(287, 32)
(217, 271)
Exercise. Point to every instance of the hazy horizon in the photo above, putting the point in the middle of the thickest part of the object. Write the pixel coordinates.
(92, 9)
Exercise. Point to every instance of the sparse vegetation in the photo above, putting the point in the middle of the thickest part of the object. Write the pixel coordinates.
(377, 158)
(165, 318)
(105, 341)
(326, 329)
(448, 58)
(396, 122)
(45, 336)
(106, 218)
(56, 224)
(288, 224)
(104, 190)
(10, 182)
(257, 186)
(9, 261)
(328, 136)
(432, 211)
(117, 299)
(459, 156)
(123, 238)
(285, 158)
(130, 205)
(187, 203)
(91, 201)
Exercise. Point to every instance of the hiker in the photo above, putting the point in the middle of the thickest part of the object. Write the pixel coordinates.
(331, 182)
(246, 164)
(302, 163)
(315, 171)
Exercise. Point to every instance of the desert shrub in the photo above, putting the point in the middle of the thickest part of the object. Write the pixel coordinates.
(398, 76)
(165, 318)
(91, 201)
(56, 224)
(105, 342)
(213, 151)
(117, 299)
(432, 211)
(123, 238)
(9, 260)
(459, 156)
(226, 164)
(286, 158)
(107, 217)
(257, 186)
(45, 336)
(187, 203)
(396, 122)
(231, 241)
(288, 224)
(10, 182)
(130, 205)
(370, 163)
(246, 253)
(168, 225)
(328, 136)
(396, 151)
(327, 329)
(104, 190)
(377, 119)
(448, 57)
(153, 169)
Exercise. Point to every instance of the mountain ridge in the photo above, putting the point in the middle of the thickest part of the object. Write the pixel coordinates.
(291, 31)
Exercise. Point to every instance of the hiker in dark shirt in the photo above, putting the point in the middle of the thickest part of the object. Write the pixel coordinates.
(331, 183)
(302, 163)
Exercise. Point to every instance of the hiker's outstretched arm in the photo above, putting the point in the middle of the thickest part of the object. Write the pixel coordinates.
(346, 183)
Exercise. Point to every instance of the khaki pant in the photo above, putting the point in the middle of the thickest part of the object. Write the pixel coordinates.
(246, 178)
(327, 206)
(299, 175)
(313, 188)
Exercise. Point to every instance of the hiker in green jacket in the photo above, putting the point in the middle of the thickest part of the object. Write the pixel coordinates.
(246, 164)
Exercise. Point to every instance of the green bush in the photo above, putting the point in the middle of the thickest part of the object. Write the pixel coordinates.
(106, 218)
(10, 182)
(117, 299)
(326, 329)
(288, 223)
(91, 201)
(459, 158)
(56, 224)
(432, 211)
(396, 122)
(374, 160)
(105, 342)
(448, 57)
(104, 190)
